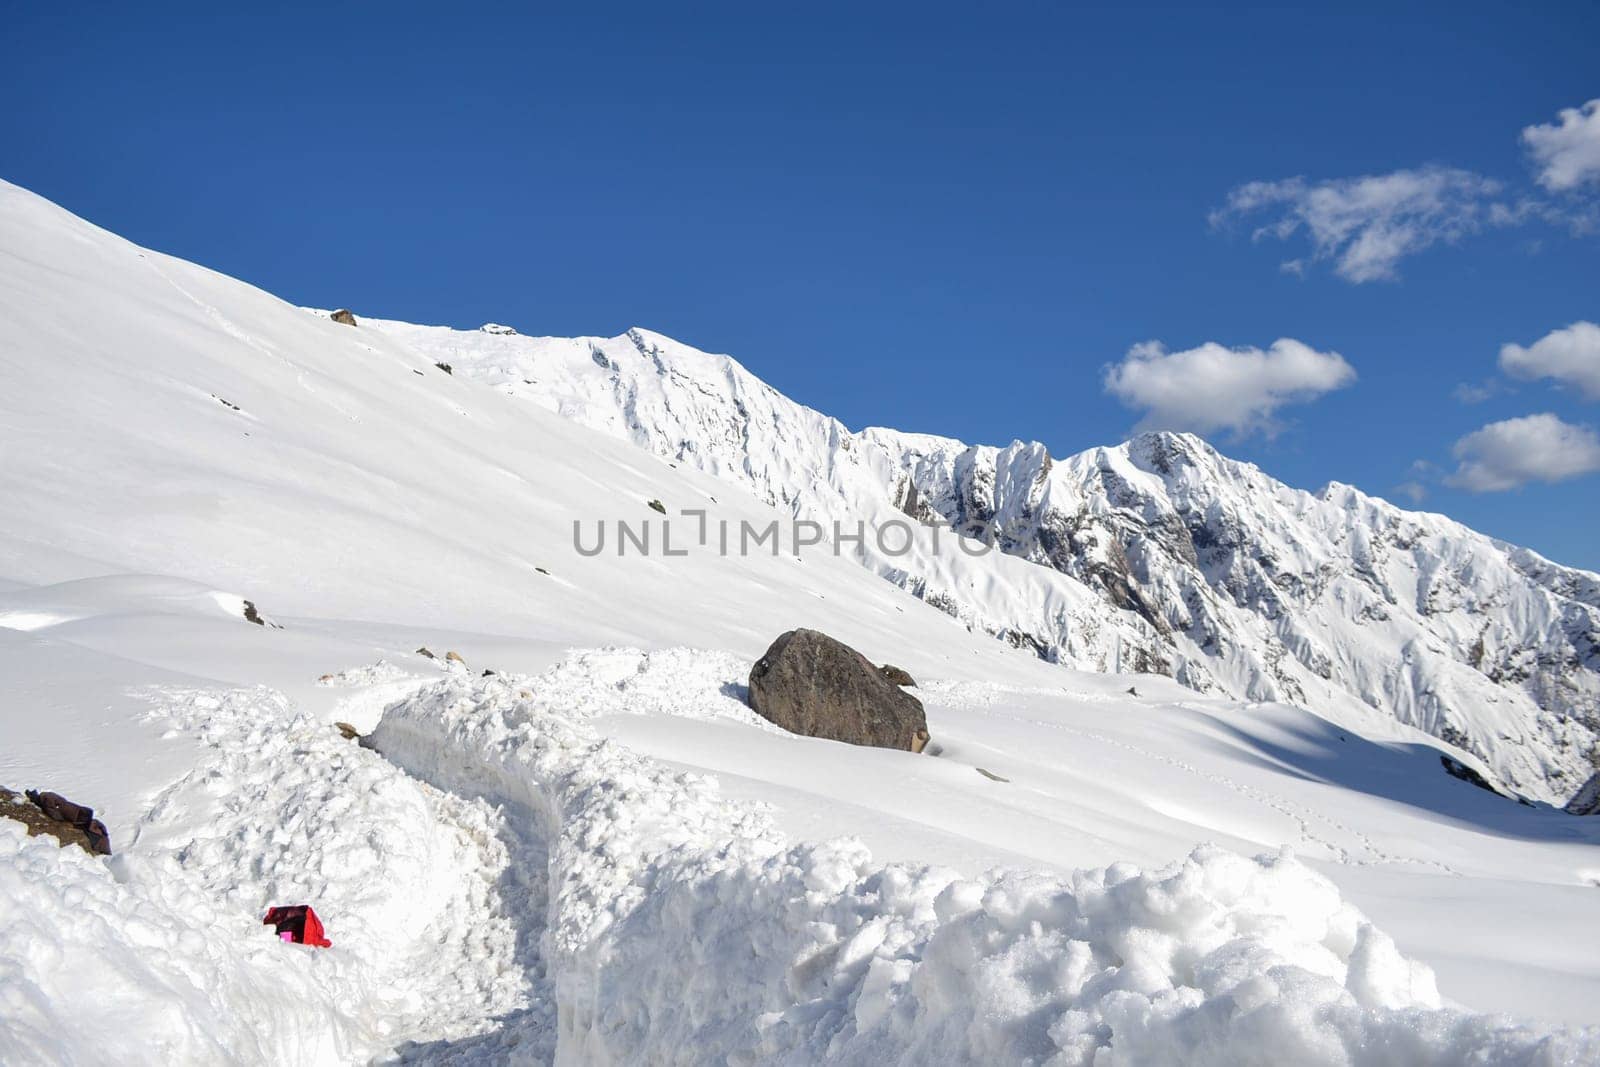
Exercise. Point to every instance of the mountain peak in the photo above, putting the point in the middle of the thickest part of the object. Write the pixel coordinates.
(1162, 450)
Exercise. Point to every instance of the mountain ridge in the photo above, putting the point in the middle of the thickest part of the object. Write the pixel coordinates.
(1195, 565)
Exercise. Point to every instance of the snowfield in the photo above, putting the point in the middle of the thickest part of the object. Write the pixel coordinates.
(596, 853)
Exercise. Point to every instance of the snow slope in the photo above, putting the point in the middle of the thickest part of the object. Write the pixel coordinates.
(1185, 563)
(597, 854)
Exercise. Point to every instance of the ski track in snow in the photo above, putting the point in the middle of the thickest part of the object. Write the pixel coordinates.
(428, 891)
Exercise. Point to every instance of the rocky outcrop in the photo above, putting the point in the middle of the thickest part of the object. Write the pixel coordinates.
(1336, 601)
(808, 683)
(343, 316)
(1587, 800)
(55, 815)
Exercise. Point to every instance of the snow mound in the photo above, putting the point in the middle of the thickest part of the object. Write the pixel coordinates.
(164, 977)
(164, 947)
(681, 682)
(379, 673)
(683, 926)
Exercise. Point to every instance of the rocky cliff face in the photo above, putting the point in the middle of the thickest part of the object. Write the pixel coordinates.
(1316, 599)
(1159, 555)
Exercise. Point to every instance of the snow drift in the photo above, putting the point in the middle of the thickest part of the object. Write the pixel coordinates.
(684, 928)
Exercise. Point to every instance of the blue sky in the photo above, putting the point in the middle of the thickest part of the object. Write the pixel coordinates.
(945, 219)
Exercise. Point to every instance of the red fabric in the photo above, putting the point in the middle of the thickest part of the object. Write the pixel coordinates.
(299, 922)
(312, 934)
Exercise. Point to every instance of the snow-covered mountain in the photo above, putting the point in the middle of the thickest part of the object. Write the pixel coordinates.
(586, 848)
(1181, 561)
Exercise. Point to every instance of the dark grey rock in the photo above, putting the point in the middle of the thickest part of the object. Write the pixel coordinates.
(1456, 769)
(810, 684)
(1586, 801)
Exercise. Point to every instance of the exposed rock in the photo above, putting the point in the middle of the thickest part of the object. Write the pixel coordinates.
(348, 732)
(808, 683)
(53, 814)
(1457, 769)
(252, 615)
(343, 316)
(446, 368)
(425, 651)
(658, 506)
(497, 329)
(1587, 800)
(897, 675)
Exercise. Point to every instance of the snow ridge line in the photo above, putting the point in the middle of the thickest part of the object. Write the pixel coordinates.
(681, 927)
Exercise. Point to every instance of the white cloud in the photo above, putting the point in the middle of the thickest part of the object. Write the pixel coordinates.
(1570, 356)
(1415, 487)
(1467, 393)
(1415, 492)
(1534, 448)
(1367, 225)
(1568, 151)
(1213, 387)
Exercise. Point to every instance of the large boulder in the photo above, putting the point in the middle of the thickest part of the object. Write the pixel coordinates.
(810, 684)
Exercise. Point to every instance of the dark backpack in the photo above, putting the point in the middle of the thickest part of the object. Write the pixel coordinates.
(76, 816)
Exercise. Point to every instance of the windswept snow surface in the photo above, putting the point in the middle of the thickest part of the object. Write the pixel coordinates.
(598, 853)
